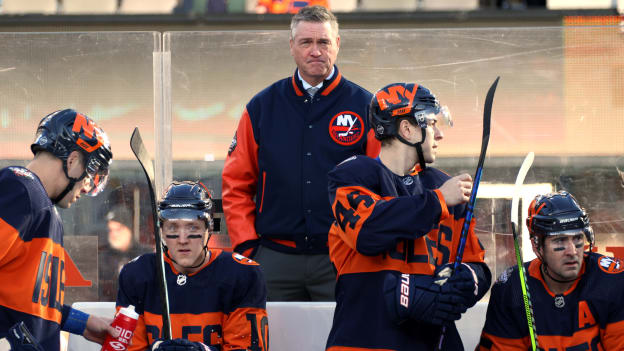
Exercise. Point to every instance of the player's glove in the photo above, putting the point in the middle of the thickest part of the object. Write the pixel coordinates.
(419, 298)
(179, 345)
(463, 282)
(248, 248)
(20, 339)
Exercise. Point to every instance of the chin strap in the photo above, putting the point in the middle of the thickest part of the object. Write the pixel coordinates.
(70, 186)
(421, 158)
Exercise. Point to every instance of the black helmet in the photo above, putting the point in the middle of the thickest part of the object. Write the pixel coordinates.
(190, 200)
(556, 214)
(400, 100)
(65, 131)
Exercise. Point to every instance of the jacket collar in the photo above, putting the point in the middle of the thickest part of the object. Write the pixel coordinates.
(328, 85)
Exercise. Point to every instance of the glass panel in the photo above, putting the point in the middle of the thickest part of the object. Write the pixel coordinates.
(109, 77)
(560, 95)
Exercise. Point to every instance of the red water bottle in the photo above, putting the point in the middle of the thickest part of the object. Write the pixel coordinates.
(125, 322)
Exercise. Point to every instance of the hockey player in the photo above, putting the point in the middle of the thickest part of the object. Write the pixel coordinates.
(71, 158)
(396, 231)
(577, 296)
(217, 298)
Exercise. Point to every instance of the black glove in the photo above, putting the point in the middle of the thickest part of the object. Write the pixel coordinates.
(179, 345)
(418, 297)
(248, 248)
(20, 339)
(463, 281)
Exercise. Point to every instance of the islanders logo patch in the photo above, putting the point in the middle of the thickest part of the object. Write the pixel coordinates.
(346, 128)
(610, 265)
(244, 260)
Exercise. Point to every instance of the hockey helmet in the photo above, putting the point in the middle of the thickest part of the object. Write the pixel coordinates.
(186, 200)
(557, 214)
(64, 131)
(398, 100)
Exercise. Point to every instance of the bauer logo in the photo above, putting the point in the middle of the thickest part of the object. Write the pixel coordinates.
(404, 299)
(346, 128)
(610, 265)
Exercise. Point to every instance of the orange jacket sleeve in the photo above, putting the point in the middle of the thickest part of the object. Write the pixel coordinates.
(239, 183)
(373, 146)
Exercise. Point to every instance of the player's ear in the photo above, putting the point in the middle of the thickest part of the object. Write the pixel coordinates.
(536, 247)
(74, 159)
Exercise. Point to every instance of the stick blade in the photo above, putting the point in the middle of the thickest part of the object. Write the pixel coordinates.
(524, 169)
(142, 155)
(487, 113)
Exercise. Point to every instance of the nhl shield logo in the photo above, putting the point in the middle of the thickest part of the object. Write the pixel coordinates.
(346, 128)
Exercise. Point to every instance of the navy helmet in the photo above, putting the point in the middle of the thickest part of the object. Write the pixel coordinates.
(64, 131)
(557, 214)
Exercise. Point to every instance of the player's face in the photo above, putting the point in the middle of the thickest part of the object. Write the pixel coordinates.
(430, 146)
(564, 255)
(314, 47)
(185, 240)
(75, 169)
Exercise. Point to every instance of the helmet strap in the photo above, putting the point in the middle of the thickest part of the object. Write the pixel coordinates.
(70, 186)
(418, 146)
(545, 270)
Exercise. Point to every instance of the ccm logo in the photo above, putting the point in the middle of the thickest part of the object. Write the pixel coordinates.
(404, 300)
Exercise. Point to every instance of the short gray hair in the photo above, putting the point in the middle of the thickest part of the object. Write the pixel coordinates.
(318, 14)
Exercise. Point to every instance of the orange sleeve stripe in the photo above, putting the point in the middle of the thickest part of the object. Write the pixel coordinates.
(505, 344)
(558, 342)
(180, 320)
(26, 275)
(9, 237)
(239, 183)
(445, 212)
(373, 146)
(347, 260)
(139, 338)
(237, 333)
(613, 336)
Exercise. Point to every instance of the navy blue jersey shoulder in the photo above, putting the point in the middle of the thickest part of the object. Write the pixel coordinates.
(25, 205)
(223, 285)
(369, 172)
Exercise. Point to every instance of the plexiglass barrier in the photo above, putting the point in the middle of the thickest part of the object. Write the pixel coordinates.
(107, 76)
(560, 95)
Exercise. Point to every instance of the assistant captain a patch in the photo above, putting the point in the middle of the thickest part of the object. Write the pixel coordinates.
(346, 128)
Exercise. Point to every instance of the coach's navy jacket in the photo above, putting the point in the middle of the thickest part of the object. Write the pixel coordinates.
(275, 175)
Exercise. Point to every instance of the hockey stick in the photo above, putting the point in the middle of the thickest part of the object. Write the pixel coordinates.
(487, 115)
(528, 307)
(144, 158)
